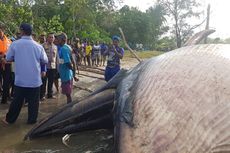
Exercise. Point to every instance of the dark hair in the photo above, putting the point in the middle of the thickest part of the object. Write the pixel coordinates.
(26, 28)
(28, 33)
(62, 36)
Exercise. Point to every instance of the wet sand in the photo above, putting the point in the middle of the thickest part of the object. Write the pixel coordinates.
(85, 142)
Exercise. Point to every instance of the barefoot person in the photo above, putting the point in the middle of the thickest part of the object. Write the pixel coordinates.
(27, 56)
(66, 67)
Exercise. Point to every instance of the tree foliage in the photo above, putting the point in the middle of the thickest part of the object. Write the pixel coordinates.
(180, 11)
(13, 14)
(86, 19)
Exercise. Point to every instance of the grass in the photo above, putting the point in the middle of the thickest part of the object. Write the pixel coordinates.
(143, 54)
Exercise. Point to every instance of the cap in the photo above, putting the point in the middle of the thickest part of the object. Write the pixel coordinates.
(62, 36)
(26, 28)
(116, 38)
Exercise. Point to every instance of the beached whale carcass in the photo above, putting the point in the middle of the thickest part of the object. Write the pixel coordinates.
(178, 102)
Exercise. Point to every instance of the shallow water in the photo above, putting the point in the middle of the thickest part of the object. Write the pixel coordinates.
(85, 142)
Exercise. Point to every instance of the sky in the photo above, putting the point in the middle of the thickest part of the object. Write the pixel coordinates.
(219, 18)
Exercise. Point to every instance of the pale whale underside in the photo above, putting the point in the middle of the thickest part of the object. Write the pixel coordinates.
(181, 103)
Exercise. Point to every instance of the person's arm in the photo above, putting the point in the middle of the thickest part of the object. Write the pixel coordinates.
(69, 61)
(10, 54)
(74, 68)
(43, 70)
(107, 50)
(66, 55)
(43, 58)
(57, 60)
(120, 55)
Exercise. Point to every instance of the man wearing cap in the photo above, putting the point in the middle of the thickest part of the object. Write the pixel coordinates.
(115, 54)
(66, 67)
(5, 68)
(27, 56)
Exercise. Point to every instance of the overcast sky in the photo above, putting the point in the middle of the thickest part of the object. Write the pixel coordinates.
(219, 19)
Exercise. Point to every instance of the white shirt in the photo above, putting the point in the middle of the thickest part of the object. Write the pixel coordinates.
(27, 56)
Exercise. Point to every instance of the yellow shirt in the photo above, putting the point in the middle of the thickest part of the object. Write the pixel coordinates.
(88, 49)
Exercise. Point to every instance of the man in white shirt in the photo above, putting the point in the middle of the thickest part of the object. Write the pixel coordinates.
(28, 56)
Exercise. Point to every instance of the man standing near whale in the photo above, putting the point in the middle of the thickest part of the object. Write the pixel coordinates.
(27, 56)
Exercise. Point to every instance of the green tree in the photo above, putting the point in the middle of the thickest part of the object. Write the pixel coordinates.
(142, 27)
(166, 44)
(91, 19)
(13, 13)
(156, 22)
(134, 23)
(181, 11)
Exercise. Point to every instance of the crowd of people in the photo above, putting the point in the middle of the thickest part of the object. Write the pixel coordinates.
(29, 67)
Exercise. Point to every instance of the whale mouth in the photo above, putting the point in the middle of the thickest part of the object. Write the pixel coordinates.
(94, 112)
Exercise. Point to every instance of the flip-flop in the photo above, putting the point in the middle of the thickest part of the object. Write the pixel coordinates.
(4, 121)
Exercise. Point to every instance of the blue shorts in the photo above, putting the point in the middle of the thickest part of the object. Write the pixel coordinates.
(110, 72)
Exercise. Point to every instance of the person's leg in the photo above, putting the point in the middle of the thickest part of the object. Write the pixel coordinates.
(110, 72)
(101, 60)
(12, 85)
(95, 60)
(43, 88)
(104, 58)
(85, 60)
(50, 76)
(80, 60)
(114, 71)
(69, 98)
(7, 78)
(107, 73)
(1, 77)
(32, 97)
(98, 59)
(56, 81)
(56, 84)
(67, 89)
(92, 62)
(16, 104)
(88, 60)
